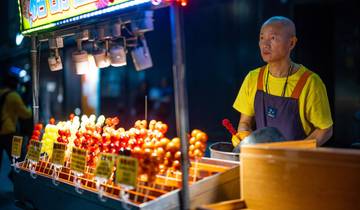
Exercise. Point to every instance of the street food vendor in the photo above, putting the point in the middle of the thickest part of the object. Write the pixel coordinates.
(283, 94)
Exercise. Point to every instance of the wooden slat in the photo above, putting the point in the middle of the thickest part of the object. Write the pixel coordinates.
(210, 168)
(311, 143)
(226, 205)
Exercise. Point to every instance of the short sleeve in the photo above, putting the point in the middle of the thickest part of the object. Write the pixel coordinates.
(317, 106)
(244, 101)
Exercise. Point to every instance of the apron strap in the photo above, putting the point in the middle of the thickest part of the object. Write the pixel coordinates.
(300, 85)
(260, 83)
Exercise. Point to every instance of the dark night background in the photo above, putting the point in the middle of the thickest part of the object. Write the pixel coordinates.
(221, 47)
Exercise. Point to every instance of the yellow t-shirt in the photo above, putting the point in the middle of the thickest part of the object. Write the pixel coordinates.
(12, 109)
(314, 106)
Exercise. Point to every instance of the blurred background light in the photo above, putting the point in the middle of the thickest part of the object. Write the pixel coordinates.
(19, 39)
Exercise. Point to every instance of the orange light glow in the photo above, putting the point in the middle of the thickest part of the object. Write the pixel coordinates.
(182, 2)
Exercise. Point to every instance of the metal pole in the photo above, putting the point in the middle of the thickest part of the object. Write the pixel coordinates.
(35, 79)
(180, 94)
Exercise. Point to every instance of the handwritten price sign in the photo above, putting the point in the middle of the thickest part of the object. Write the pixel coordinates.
(16, 146)
(127, 171)
(34, 150)
(78, 159)
(58, 156)
(105, 165)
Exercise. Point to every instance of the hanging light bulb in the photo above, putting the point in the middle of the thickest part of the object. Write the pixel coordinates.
(80, 58)
(141, 56)
(54, 59)
(118, 54)
(101, 57)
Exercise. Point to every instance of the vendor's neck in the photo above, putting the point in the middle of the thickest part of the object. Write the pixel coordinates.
(280, 68)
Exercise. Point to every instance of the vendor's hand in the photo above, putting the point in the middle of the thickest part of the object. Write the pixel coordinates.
(239, 136)
(235, 140)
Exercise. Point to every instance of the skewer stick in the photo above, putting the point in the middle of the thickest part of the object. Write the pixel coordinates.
(166, 178)
(138, 191)
(146, 183)
(195, 170)
(147, 191)
(177, 174)
(136, 195)
(112, 174)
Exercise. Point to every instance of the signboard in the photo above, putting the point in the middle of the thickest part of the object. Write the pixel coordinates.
(41, 13)
(34, 150)
(105, 165)
(58, 155)
(78, 160)
(127, 171)
(16, 146)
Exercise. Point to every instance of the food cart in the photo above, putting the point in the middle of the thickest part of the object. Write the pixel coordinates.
(43, 185)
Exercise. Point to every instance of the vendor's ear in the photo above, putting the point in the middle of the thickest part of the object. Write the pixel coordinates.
(293, 41)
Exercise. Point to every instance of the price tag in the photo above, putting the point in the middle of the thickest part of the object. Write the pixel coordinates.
(34, 150)
(58, 156)
(105, 165)
(16, 146)
(126, 171)
(78, 159)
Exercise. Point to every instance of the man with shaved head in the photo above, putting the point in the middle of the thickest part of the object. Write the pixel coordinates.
(283, 94)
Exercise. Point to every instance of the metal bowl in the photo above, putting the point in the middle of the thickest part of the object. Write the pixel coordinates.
(223, 151)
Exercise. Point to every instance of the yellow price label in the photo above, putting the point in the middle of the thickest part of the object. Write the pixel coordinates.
(16, 146)
(58, 155)
(34, 150)
(78, 159)
(104, 166)
(127, 171)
